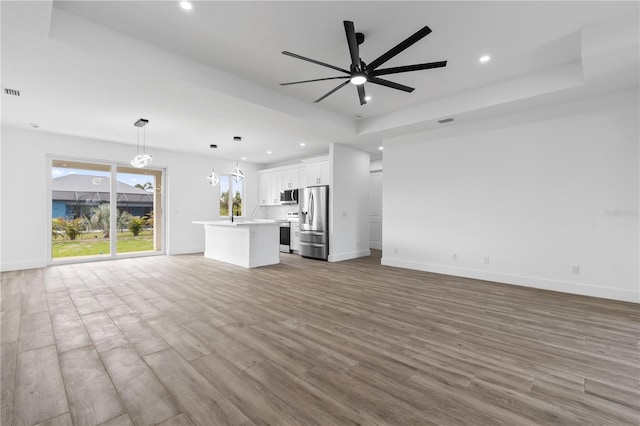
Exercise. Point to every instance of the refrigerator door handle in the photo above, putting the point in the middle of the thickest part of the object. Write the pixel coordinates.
(311, 207)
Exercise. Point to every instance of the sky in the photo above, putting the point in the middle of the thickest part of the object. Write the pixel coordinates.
(130, 179)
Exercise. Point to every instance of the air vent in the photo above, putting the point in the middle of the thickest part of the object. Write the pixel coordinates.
(445, 120)
(11, 92)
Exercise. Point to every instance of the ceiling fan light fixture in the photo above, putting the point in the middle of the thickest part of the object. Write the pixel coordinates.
(358, 79)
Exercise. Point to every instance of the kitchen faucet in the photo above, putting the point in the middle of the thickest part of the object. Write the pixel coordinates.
(232, 206)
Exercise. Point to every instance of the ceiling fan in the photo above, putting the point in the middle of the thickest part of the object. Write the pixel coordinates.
(360, 72)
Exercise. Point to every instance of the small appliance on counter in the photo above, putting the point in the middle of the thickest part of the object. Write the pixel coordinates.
(314, 222)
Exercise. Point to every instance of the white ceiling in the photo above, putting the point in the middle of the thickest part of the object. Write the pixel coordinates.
(92, 68)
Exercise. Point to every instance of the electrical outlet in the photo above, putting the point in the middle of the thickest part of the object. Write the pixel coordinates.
(487, 260)
(454, 257)
(575, 269)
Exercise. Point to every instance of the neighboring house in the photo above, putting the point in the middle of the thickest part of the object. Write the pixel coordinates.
(75, 195)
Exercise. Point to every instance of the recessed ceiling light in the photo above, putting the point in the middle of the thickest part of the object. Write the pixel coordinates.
(268, 152)
(367, 98)
(302, 144)
(244, 158)
(381, 148)
(186, 5)
(484, 59)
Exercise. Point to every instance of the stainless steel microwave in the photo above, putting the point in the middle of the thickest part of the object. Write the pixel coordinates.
(289, 196)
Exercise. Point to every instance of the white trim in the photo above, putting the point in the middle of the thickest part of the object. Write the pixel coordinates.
(520, 280)
(113, 172)
(351, 255)
(185, 250)
(24, 264)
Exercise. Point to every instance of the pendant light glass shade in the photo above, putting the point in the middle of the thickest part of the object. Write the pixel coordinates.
(236, 173)
(213, 178)
(144, 159)
(141, 160)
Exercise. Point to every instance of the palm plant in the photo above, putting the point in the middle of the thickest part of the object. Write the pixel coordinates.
(123, 220)
(101, 217)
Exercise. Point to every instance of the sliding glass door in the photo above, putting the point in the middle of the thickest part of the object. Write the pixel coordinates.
(104, 210)
(139, 197)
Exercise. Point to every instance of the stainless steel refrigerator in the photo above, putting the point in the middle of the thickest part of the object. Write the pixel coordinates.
(314, 222)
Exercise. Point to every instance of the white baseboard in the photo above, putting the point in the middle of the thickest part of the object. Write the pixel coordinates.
(185, 250)
(520, 280)
(346, 256)
(25, 264)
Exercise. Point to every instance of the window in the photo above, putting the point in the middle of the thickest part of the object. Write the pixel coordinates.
(91, 217)
(231, 196)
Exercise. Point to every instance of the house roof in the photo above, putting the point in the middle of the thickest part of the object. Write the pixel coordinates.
(95, 188)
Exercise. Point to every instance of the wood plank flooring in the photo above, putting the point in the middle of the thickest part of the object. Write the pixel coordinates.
(184, 340)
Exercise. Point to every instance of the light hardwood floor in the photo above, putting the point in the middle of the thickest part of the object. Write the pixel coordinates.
(184, 340)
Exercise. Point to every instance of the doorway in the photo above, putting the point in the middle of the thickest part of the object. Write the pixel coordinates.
(103, 210)
(375, 210)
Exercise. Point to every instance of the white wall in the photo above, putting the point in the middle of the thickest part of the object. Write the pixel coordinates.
(535, 192)
(25, 226)
(348, 203)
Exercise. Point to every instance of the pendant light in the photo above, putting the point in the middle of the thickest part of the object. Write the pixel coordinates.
(213, 178)
(236, 173)
(143, 159)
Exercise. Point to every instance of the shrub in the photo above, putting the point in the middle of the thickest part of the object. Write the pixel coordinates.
(136, 224)
(73, 227)
(58, 227)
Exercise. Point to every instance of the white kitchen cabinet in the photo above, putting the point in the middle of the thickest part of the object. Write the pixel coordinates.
(272, 181)
(269, 190)
(263, 182)
(302, 177)
(275, 188)
(294, 243)
(289, 179)
(318, 173)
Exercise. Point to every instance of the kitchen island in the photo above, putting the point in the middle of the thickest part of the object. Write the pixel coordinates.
(244, 243)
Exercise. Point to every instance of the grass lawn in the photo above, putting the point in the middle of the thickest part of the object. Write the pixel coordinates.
(94, 244)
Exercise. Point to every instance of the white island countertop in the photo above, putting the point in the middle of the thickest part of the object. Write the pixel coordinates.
(238, 222)
(246, 243)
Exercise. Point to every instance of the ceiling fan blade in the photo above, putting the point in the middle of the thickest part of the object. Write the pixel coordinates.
(407, 68)
(418, 35)
(331, 91)
(361, 94)
(317, 79)
(293, 55)
(391, 84)
(353, 44)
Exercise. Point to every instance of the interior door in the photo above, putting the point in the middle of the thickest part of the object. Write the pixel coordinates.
(375, 211)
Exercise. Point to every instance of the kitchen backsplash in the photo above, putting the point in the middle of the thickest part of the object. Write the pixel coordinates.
(275, 212)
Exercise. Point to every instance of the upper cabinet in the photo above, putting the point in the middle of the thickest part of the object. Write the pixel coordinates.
(314, 172)
(318, 173)
(269, 182)
(289, 179)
